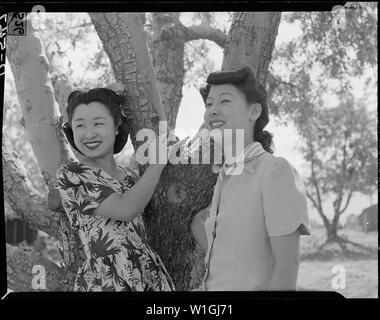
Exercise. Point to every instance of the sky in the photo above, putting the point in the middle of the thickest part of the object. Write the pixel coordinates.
(191, 110)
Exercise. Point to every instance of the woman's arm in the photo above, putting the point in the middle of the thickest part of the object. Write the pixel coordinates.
(285, 208)
(127, 206)
(198, 228)
(285, 251)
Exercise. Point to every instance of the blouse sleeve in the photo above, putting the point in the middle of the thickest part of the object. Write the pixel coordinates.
(132, 173)
(80, 194)
(284, 200)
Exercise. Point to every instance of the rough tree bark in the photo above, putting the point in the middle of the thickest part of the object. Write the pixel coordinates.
(251, 41)
(167, 51)
(41, 118)
(24, 200)
(183, 189)
(20, 272)
(124, 41)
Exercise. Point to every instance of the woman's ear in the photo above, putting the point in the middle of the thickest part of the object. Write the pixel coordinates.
(117, 127)
(255, 111)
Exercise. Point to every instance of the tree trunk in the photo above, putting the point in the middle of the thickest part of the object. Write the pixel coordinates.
(251, 42)
(167, 50)
(40, 112)
(20, 272)
(23, 198)
(184, 189)
(331, 231)
(124, 41)
(36, 97)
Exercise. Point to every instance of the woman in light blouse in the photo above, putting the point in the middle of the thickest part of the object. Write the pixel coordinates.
(250, 234)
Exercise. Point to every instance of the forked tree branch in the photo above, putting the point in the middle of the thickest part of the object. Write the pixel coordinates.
(205, 32)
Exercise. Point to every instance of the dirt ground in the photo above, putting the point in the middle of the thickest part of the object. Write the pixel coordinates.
(318, 268)
(358, 270)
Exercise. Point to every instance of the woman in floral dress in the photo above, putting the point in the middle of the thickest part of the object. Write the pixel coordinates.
(104, 201)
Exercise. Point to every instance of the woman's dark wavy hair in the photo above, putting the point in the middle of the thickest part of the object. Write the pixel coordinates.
(111, 101)
(245, 80)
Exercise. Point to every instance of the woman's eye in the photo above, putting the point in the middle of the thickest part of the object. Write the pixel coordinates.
(208, 105)
(99, 123)
(79, 126)
(224, 101)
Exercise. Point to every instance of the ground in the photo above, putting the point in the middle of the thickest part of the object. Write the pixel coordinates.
(316, 271)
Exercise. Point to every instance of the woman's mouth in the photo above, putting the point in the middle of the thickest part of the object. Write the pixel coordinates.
(215, 124)
(92, 145)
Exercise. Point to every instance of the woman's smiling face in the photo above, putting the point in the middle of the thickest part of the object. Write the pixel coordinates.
(227, 108)
(94, 130)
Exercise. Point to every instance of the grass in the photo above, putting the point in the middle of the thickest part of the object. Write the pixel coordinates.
(360, 267)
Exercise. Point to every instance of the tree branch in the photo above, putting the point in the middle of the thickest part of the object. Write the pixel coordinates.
(23, 198)
(124, 41)
(206, 32)
(167, 52)
(341, 177)
(319, 209)
(315, 183)
(82, 25)
(347, 202)
(183, 189)
(30, 69)
(20, 272)
(314, 202)
(251, 41)
(62, 89)
(279, 81)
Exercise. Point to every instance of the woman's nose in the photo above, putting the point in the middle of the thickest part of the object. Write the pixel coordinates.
(90, 133)
(210, 112)
(214, 110)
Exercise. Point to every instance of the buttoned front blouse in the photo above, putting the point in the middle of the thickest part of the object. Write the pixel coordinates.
(267, 199)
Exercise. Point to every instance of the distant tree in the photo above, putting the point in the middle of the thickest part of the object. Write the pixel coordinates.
(340, 148)
(337, 137)
(323, 59)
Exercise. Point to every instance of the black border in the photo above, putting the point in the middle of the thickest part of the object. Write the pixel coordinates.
(171, 5)
(242, 301)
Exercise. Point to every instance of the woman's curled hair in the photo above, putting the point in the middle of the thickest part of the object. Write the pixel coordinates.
(244, 79)
(111, 100)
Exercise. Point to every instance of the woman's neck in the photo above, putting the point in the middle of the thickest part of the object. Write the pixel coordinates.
(109, 164)
(232, 149)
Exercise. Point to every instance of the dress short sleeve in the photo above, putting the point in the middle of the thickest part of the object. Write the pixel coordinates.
(131, 174)
(81, 192)
(284, 200)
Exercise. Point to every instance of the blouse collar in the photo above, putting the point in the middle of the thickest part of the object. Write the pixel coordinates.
(250, 152)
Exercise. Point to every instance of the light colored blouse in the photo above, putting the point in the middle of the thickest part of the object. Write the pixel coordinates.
(264, 198)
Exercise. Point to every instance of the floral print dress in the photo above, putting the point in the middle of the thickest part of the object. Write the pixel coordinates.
(118, 259)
